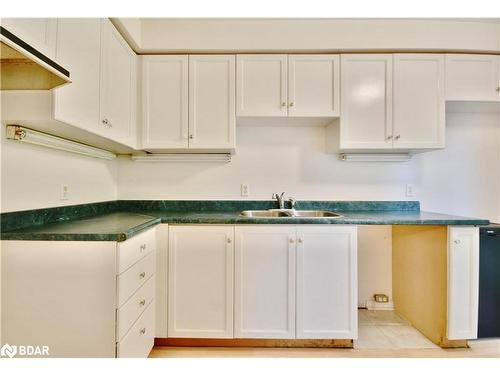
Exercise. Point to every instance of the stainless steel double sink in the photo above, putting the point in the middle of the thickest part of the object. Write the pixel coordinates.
(290, 213)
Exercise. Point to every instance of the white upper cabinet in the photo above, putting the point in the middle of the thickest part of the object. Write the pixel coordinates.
(200, 287)
(472, 77)
(366, 103)
(189, 102)
(262, 85)
(313, 85)
(78, 50)
(327, 282)
(287, 85)
(264, 281)
(118, 86)
(165, 102)
(40, 33)
(419, 105)
(212, 101)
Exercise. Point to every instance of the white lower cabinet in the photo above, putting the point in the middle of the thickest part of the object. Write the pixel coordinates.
(326, 282)
(264, 281)
(69, 296)
(200, 287)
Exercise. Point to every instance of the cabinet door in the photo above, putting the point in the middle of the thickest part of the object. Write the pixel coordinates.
(118, 72)
(419, 106)
(366, 103)
(200, 298)
(165, 102)
(261, 85)
(327, 284)
(463, 282)
(212, 101)
(40, 33)
(264, 282)
(79, 51)
(472, 77)
(313, 85)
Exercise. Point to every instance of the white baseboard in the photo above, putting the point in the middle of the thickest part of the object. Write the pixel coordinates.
(372, 305)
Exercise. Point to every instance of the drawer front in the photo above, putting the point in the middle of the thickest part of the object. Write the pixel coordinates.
(132, 279)
(134, 307)
(137, 247)
(139, 341)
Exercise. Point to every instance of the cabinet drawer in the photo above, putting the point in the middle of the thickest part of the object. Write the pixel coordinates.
(140, 339)
(137, 247)
(134, 307)
(135, 277)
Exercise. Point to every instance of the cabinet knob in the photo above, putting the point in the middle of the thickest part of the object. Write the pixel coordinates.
(142, 302)
(283, 104)
(191, 136)
(389, 137)
(106, 122)
(142, 275)
(229, 240)
(397, 137)
(292, 240)
(143, 247)
(299, 240)
(498, 88)
(292, 104)
(457, 241)
(142, 331)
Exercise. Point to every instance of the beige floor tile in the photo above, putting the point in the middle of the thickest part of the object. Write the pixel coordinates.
(371, 337)
(405, 337)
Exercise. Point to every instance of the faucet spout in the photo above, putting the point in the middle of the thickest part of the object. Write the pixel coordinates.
(281, 199)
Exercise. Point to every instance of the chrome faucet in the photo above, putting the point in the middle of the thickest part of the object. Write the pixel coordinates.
(281, 199)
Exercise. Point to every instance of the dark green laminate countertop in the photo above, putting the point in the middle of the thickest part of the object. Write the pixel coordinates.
(119, 226)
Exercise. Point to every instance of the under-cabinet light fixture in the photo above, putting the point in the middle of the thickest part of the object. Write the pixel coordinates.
(376, 157)
(183, 158)
(22, 134)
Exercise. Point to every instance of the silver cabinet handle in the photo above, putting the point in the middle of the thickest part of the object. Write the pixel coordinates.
(142, 302)
(397, 137)
(142, 275)
(283, 104)
(292, 104)
(107, 123)
(142, 331)
(389, 137)
(143, 247)
(457, 241)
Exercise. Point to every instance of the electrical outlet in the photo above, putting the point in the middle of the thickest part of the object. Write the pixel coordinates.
(64, 192)
(410, 190)
(245, 190)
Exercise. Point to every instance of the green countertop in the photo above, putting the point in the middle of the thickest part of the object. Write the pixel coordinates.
(119, 226)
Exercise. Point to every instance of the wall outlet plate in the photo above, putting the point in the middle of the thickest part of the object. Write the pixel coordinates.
(410, 190)
(64, 193)
(245, 190)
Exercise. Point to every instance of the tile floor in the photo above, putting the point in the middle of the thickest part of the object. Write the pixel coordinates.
(384, 329)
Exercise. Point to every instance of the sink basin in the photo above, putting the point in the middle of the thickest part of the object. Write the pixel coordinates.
(315, 213)
(265, 213)
(290, 213)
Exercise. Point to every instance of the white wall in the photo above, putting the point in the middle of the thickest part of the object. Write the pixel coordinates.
(264, 35)
(32, 177)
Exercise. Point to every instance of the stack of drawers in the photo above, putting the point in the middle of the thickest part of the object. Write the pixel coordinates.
(135, 314)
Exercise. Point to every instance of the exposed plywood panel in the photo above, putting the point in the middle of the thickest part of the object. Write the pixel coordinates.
(419, 265)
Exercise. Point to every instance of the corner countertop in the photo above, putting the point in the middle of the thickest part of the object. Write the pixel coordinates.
(122, 225)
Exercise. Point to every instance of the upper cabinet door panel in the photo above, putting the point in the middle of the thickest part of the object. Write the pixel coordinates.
(261, 85)
(212, 101)
(117, 68)
(78, 50)
(366, 103)
(472, 77)
(313, 85)
(165, 102)
(419, 111)
(40, 33)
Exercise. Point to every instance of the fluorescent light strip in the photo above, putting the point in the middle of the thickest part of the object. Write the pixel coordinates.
(183, 158)
(22, 134)
(376, 157)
